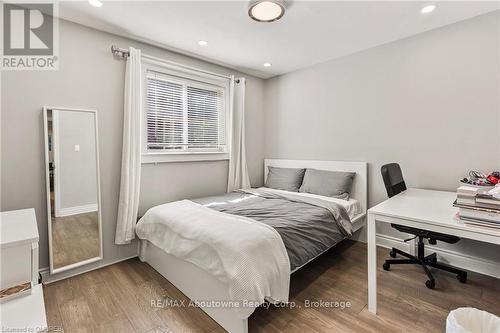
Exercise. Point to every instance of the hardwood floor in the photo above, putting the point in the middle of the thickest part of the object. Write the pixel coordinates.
(118, 298)
(75, 238)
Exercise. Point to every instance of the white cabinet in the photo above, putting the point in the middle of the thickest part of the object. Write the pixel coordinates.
(19, 252)
(16, 267)
(21, 297)
(24, 313)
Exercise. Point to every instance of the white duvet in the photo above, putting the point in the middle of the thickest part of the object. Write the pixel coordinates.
(247, 255)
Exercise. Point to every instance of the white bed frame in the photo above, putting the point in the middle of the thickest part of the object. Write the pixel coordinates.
(199, 285)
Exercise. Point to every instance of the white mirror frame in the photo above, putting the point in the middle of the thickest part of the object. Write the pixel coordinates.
(47, 182)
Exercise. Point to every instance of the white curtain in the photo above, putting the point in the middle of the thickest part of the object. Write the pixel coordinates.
(238, 171)
(131, 152)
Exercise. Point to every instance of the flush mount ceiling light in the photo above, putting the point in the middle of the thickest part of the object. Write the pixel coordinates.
(428, 9)
(202, 43)
(266, 10)
(267, 64)
(95, 3)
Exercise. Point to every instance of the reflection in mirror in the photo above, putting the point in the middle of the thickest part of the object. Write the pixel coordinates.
(73, 188)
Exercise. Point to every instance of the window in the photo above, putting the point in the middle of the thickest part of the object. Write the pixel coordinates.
(185, 117)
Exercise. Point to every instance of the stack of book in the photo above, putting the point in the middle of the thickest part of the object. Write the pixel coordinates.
(478, 208)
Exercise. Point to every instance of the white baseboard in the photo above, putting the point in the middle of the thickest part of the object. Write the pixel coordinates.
(469, 263)
(76, 210)
(47, 278)
(454, 258)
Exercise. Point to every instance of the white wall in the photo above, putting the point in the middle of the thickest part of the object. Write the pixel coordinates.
(429, 102)
(90, 77)
(77, 170)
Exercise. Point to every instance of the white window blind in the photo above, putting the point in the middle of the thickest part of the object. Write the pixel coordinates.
(184, 115)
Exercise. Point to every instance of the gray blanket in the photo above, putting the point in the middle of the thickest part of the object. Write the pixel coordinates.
(307, 226)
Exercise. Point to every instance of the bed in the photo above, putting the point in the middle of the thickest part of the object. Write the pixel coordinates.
(298, 219)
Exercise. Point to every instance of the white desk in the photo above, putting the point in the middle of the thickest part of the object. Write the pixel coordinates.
(424, 209)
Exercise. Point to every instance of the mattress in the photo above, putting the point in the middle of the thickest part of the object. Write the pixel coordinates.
(307, 230)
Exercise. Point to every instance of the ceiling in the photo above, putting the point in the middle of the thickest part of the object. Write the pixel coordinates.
(309, 32)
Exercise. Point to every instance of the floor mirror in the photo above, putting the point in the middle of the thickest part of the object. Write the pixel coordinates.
(73, 187)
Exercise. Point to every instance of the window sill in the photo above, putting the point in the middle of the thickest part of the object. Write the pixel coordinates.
(183, 157)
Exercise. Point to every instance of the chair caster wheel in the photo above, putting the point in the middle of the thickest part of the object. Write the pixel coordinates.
(462, 278)
(386, 266)
(430, 284)
(392, 254)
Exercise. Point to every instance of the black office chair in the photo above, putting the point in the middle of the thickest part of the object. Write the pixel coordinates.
(395, 184)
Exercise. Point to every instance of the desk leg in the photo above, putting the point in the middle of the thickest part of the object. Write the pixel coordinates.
(372, 264)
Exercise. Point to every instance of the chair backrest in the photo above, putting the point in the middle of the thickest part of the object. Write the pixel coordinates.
(393, 179)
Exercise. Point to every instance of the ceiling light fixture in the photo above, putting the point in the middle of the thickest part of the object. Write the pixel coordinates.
(428, 9)
(267, 64)
(95, 3)
(266, 10)
(203, 43)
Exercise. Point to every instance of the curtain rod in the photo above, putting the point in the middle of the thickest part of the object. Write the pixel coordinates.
(121, 53)
(124, 54)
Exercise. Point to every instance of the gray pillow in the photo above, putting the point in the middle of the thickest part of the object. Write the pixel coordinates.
(284, 178)
(336, 184)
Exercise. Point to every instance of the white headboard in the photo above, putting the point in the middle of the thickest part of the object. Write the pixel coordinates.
(359, 186)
